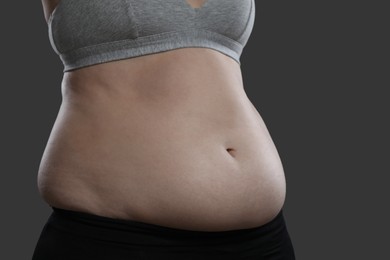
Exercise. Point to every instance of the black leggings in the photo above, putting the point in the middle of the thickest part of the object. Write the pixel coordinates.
(74, 235)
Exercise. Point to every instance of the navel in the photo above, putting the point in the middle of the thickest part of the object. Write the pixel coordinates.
(231, 151)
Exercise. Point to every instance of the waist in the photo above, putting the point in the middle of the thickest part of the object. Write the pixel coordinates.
(195, 152)
(204, 123)
(162, 110)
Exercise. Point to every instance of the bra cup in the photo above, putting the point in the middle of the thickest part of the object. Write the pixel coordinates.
(230, 18)
(246, 33)
(227, 17)
(76, 24)
(154, 17)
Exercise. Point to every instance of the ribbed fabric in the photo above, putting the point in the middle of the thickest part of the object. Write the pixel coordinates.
(84, 33)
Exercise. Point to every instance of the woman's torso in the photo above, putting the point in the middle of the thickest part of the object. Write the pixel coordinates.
(150, 139)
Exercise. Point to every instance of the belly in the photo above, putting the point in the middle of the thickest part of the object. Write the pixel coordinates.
(180, 146)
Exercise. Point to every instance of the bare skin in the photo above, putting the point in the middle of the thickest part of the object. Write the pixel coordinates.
(169, 138)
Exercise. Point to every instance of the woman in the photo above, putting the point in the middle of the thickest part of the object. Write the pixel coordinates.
(157, 152)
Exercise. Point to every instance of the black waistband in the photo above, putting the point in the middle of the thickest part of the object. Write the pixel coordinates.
(141, 233)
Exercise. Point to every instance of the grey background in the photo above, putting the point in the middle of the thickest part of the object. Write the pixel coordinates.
(315, 70)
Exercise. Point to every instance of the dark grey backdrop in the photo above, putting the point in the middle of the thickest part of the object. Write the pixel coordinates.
(315, 70)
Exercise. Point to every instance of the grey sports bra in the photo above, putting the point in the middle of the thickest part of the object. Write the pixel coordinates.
(87, 32)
